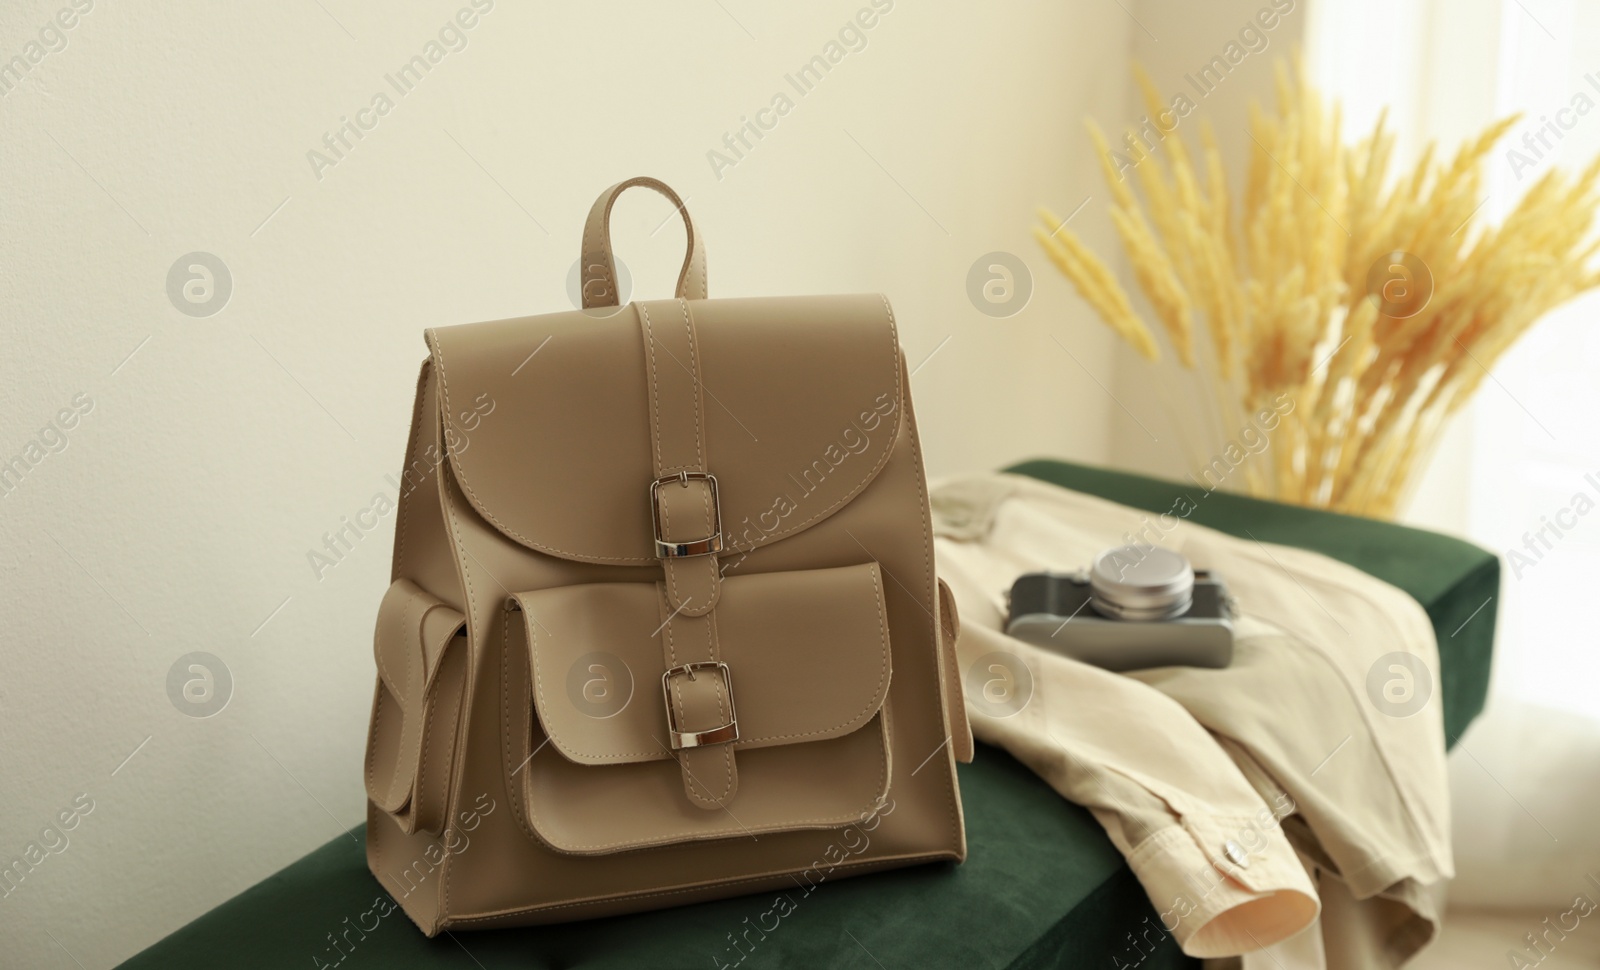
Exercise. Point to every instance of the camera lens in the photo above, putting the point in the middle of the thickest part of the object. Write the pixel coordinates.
(1141, 583)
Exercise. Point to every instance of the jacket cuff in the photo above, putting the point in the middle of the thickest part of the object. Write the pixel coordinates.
(1225, 886)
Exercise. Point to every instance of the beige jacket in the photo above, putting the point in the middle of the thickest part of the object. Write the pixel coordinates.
(1292, 806)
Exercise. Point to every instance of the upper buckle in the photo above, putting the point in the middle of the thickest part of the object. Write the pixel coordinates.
(695, 739)
(694, 547)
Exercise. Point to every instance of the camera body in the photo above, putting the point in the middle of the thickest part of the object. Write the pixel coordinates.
(1137, 607)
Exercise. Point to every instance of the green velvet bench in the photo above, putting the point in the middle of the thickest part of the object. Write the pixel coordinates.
(1042, 886)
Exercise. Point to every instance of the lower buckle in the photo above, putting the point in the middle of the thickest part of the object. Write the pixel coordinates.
(707, 546)
(695, 739)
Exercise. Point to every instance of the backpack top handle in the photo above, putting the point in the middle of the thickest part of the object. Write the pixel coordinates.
(599, 270)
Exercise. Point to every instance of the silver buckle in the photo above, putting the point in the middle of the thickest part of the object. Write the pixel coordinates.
(694, 547)
(695, 739)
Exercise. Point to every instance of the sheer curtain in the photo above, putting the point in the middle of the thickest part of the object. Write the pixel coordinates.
(1520, 472)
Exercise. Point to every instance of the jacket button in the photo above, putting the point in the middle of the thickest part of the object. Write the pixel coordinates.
(1236, 854)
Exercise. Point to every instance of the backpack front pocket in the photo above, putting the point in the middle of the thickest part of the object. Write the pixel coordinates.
(790, 722)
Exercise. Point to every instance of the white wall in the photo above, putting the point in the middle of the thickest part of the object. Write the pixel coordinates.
(209, 454)
(1162, 404)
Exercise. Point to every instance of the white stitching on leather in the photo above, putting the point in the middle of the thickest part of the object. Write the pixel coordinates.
(714, 644)
(708, 565)
(878, 698)
(765, 540)
(610, 197)
(405, 495)
(513, 791)
(691, 266)
(418, 813)
(461, 560)
(383, 666)
(883, 458)
(401, 699)
(377, 720)
(672, 650)
(655, 443)
(927, 576)
(430, 704)
(655, 384)
(453, 531)
(698, 834)
(727, 749)
(865, 714)
(472, 496)
(694, 383)
(549, 728)
(683, 758)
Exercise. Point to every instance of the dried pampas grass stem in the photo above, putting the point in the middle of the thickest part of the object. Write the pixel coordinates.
(1359, 307)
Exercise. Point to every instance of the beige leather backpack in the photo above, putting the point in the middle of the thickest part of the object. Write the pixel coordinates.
(664, 625)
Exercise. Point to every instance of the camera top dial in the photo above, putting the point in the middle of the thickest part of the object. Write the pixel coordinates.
(1141, 583)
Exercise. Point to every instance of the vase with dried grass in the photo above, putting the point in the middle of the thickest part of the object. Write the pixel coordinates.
(1363, 309)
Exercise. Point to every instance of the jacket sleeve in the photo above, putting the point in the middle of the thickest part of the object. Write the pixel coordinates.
(1206, 846)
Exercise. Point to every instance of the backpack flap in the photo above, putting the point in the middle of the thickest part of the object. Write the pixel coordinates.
(555, 420)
